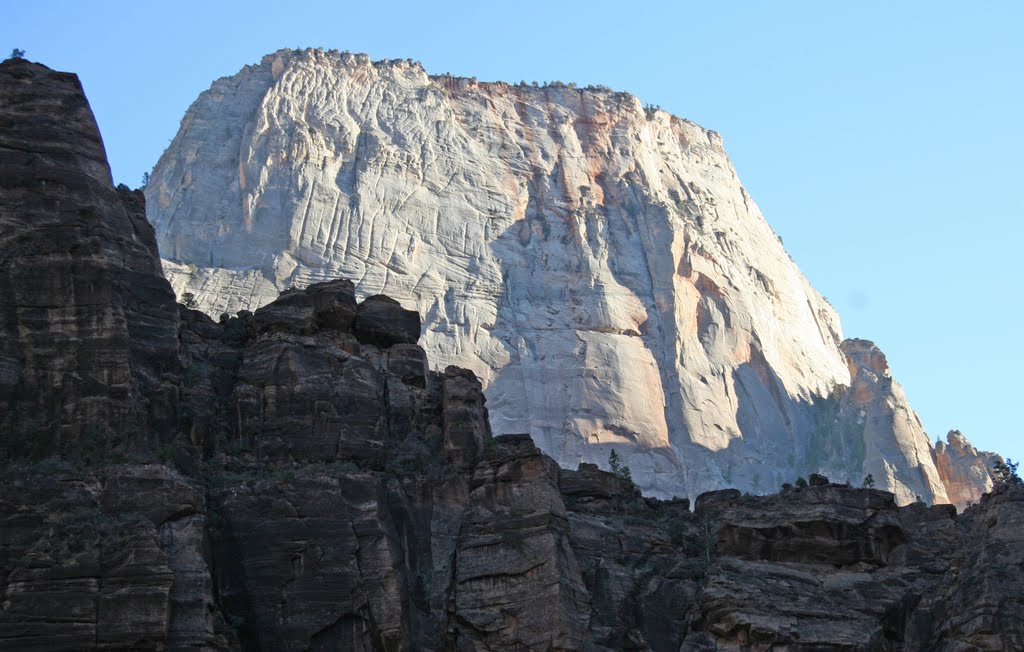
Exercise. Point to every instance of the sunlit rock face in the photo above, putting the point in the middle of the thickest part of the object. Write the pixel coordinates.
(965, 471)
(598, 265)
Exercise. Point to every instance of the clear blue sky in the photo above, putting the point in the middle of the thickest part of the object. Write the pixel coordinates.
(884, 141)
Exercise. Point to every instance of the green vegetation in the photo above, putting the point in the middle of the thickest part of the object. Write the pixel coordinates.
(1006, 472)
(618, 468)
(93, 517)
(245, 473)
(188, 299)
(408, 465)
(17, 54)
(91, 447)
(869, 481)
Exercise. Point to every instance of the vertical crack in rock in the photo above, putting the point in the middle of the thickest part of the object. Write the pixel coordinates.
(555, 221)
(299, 478)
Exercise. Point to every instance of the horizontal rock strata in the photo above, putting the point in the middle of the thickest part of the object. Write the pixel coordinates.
(90, 324)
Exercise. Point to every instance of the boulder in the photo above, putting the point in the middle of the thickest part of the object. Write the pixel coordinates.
(408, 362)
(382, 322)
(293, 312)
(334, 304)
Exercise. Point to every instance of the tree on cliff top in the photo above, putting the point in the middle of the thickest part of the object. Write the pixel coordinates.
(17, 54)
(1006, 472)
(618, 468)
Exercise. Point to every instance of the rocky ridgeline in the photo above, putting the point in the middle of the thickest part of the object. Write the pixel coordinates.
(596, 263)
(297, 478)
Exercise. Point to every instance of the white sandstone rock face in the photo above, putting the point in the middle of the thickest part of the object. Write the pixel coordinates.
(599, 266)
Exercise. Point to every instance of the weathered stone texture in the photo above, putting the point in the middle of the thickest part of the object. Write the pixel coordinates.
(108, 558)
(90, 325)
(517, 584)
(965, 471)
(298, 482)
(598, 265)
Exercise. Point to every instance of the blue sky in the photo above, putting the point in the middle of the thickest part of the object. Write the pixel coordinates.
(884, 141)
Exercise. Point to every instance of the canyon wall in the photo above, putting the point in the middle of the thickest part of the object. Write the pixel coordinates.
(90, 324)
(596, 263)
(307, 482)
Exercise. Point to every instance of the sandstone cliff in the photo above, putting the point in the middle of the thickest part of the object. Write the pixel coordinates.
(597, 264)
(316, 486)
(966, 472)
(90, 324)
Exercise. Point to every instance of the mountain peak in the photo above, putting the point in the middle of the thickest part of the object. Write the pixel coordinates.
(597, 263)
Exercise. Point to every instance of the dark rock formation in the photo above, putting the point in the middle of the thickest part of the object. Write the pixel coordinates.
(89, 330)
(107, 557)
(300, 481)
(980, 602)
(383, 321)
(465, 417)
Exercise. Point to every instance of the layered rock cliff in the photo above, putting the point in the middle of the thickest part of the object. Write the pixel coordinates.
(90, 324)
(597, 264)
(311, 484)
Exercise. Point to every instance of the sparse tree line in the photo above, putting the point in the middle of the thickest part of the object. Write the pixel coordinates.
(1006, 472)
(1003, 472)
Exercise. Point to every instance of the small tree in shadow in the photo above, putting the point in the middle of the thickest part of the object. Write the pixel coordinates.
(869, 481)
(618, 468)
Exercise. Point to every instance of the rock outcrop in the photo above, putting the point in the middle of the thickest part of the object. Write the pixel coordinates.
(965, 471)
(90, 325)
(517, 556)
(110, 557)
(315, 486)
(597, 264)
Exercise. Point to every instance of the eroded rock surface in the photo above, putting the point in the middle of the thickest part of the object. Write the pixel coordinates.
(90, 325)
(315, 486)
(965, 471)
(597, 264)
(110, 557)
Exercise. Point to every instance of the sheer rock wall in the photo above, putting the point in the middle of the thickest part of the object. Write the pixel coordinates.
(90, 325)
(316, 486)
(597, 264)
